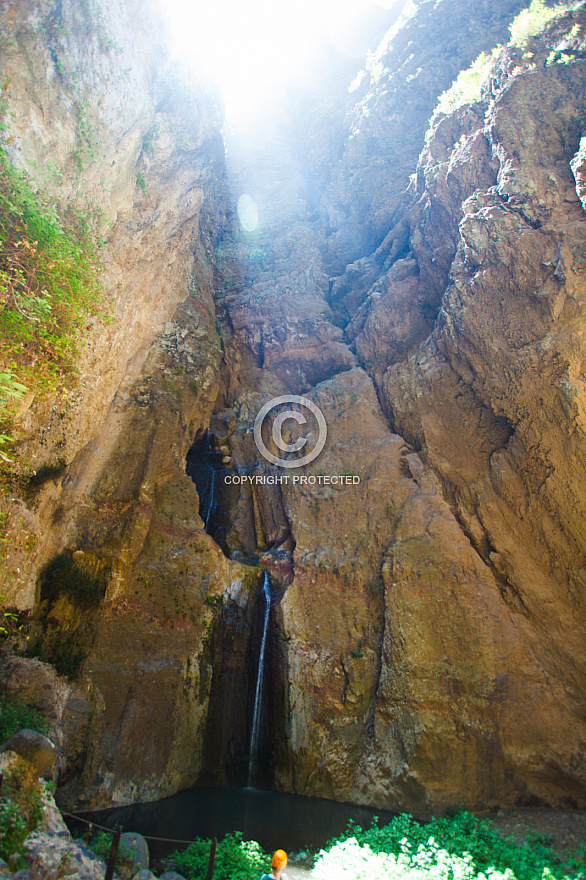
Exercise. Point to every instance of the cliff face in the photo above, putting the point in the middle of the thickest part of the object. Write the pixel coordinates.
(94, 81)
(426, 651)
(412, 652)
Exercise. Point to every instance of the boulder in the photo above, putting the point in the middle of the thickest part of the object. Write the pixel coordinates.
(133, 845)
(35, 748)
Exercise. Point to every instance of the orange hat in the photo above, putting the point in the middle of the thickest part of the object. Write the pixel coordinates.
(280, 860)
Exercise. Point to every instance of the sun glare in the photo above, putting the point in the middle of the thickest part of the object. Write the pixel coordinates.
(250, 48)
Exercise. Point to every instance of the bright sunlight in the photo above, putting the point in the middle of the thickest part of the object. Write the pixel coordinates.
(251, 48)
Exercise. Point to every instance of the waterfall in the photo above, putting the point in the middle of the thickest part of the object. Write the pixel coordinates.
(204, 466)
(211, 498)
(253, 759)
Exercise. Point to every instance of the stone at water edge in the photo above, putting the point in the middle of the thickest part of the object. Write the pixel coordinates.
(35, 748)
(171, 875)
(134, 844)
(144, 875)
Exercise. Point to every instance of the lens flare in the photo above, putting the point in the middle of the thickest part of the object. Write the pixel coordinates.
(247, 213)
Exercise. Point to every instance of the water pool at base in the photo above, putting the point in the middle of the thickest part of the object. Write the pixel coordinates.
(277, 821)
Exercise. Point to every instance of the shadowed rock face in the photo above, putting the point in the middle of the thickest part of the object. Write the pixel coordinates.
(427, 651)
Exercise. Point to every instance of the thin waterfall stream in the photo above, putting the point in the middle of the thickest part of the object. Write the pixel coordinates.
(240, 731)
(211, 498)
(254, 736)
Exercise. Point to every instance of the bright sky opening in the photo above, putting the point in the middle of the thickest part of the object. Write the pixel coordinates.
(251, 48)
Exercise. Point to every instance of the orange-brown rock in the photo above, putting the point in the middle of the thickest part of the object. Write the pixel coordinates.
(427, 650)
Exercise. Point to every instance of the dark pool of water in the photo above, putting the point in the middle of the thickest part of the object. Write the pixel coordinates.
(276, 821)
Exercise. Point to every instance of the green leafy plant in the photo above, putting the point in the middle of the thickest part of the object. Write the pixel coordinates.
(533, 20)
(48, 278)
(16, 715)
(466, 845)
(141, 182)
(101, 843)
(148, 145)
(467, 87)
(235, 857)
(87, 144)
(49, 287)
(7, 617)
(20, 811)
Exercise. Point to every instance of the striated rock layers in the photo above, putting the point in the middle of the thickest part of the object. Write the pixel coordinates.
(427, 648)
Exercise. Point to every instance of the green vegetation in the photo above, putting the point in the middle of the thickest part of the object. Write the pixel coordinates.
(64, 576)
(234, 858)
(48, 280)
(87, 144)
(49, 286)
(20, 811)
(376, 585)
(148, 145)
(533, 20)
(468, 85)
(16, 715)
(8, 619)
(462, 846)
(141, 182)
(101, 843)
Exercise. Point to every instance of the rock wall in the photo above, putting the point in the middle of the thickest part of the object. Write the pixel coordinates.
(92, 97)
(426, 652)
(419, 623)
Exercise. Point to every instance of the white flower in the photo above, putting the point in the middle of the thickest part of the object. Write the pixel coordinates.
(350, 860)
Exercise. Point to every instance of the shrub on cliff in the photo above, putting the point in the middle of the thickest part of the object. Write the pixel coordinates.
(533, 20)
(468, 86)
(49, 286)
(48, 275)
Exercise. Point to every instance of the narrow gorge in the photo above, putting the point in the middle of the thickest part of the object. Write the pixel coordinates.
(411, 258)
